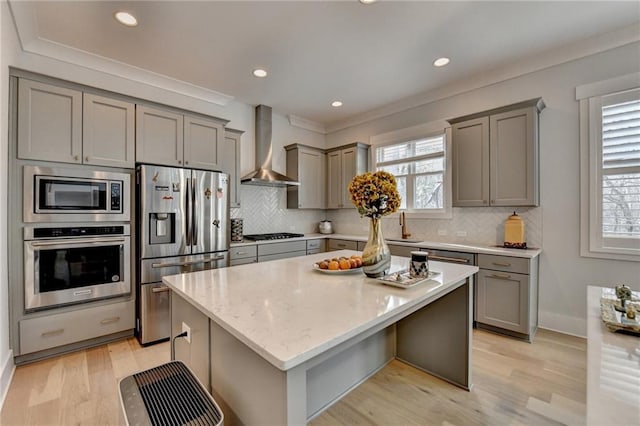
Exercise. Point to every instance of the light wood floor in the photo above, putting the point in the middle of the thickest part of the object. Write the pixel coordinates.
(515, 383)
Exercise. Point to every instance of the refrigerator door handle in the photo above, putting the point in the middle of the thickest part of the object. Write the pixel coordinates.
(187, 207)
(186, 263)
(194, 209)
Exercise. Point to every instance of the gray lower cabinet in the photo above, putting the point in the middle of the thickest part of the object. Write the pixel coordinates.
(315, 246)
(334, 244)
(241, 255)
(194, 351)
(507, 295)
(274, 251)
(50, 331)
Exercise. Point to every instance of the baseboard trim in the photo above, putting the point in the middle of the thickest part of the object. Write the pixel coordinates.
(564, 324)
(6, 375)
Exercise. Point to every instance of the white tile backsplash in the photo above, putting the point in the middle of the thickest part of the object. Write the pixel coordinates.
(263, 209)
(482, 225)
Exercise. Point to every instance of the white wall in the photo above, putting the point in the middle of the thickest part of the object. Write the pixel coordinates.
(564, 275)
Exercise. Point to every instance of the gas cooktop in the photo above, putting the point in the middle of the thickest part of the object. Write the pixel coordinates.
(274, 236)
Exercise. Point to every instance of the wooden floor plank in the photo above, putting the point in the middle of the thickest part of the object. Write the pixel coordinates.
(515, 383)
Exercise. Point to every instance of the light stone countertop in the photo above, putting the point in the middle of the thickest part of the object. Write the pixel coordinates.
(613, 370)
(288, 313)
(467, 248)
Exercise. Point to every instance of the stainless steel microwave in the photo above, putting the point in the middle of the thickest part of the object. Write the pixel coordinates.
(70, 195)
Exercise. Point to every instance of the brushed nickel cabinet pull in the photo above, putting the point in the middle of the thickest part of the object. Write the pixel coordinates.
(77, 158)
(86, 158)
(110, 320)
(160, 289)
(501, 264)
(53, 333)
(241, 252)
(501, 276)
(341, 245)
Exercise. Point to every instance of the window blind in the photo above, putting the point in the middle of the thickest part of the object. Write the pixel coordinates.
(621, 170)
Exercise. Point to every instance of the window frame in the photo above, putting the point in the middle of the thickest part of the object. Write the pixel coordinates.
(592, 97)
(422, 131)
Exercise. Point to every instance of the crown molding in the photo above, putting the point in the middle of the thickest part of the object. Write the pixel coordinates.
(307, 124)
(25, 20)
(590, 46)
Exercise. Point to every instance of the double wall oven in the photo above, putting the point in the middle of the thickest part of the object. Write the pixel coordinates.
(77, 236)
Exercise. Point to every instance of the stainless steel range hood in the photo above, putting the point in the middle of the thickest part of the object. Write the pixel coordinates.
(264, 175)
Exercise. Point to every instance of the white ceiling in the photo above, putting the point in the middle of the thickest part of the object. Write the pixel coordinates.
(316, 52)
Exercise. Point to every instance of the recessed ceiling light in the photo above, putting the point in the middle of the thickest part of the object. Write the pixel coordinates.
(441, 62)
(336, 104)
(259, 72)
(367, 1)
(125, 18)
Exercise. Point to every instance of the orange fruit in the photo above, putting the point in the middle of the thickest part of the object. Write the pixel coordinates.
(333, 265)
(323, 265)
(354, 263)
(345, 264)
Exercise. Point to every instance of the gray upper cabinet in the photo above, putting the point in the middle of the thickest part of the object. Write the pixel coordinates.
(173, 139)
(471, 163)
(495, 157)
(159, 136)
(308, 165)
(229, 159)
(49, 122)
(108, 132)
(203, 139)
(65, 125)
(343, 163)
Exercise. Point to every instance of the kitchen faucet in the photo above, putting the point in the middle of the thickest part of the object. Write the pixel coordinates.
(403, 223)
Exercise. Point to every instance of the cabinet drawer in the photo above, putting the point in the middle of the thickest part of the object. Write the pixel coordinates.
(314, 251)
(315, 244)
(243, 252)
(504, 263)
(342, 245)
(46, 332)
(275, 248)
(275, 256)
(243, 261)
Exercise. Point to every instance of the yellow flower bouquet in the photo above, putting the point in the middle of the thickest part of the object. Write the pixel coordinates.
(375, 194)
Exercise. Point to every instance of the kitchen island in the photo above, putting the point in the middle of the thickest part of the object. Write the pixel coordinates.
(277, 342)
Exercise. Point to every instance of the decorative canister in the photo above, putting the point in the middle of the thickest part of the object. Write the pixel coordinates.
(514, 232)
(325, 227)
(236, 230)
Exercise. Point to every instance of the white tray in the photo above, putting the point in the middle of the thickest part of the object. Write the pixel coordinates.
(403, 280)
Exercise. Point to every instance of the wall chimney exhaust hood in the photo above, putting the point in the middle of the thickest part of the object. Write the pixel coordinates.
(264, 175)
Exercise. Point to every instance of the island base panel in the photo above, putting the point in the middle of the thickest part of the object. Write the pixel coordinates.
(437, 338)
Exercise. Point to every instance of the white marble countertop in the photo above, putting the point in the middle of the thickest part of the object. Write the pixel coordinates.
(467, 248)
(613, 370)
(288, 313)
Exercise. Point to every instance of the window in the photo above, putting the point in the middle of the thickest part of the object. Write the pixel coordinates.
(610, 171)
(419, 164)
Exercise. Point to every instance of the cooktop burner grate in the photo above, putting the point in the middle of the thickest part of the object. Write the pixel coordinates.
(273, 236)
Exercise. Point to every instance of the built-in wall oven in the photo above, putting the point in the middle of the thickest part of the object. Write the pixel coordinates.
(53, 194)
(75, 264)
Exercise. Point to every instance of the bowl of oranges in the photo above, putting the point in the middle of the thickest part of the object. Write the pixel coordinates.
(340, 265)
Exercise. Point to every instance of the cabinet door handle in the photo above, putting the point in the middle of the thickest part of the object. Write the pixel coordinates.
(160, 289)
(76, 158)
(505, 264)
(53, 333)
(110, 320)
(341, 245)
(501, 276)
(241, 252)
(448, 259)
(86, 158)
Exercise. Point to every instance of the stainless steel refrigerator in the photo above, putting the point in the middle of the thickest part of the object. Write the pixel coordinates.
(182, 218)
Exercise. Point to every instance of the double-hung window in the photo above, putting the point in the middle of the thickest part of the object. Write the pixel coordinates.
(420, 166)
(610, 144)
